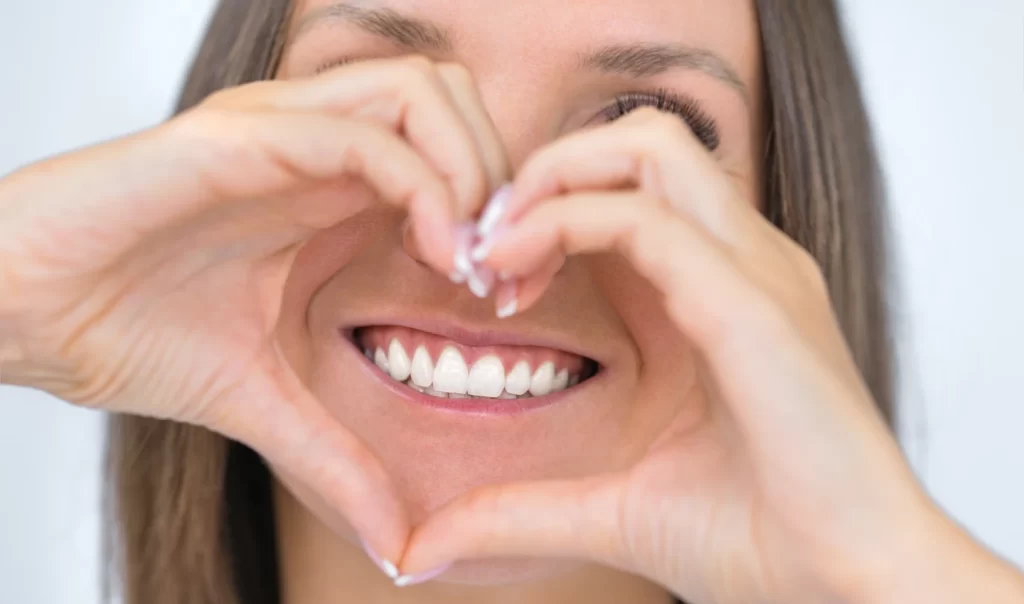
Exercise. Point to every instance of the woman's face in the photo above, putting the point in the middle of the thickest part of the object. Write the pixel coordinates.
(544, 69)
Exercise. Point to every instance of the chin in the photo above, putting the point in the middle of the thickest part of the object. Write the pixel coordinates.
(321, 540)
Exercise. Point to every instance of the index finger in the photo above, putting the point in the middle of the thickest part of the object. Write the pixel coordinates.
(407, 95)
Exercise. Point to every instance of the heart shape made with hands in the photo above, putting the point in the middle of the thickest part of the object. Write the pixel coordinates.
(729, 494)
(783, 434)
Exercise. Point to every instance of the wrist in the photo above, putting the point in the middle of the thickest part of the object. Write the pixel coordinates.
(938, 563)
(13, 356)
(16, 366)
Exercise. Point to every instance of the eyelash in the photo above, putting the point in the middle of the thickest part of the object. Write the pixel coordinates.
(331, 65)
(689, 110)
(702, 124)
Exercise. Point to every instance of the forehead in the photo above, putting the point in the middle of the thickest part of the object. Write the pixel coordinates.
(552, 30)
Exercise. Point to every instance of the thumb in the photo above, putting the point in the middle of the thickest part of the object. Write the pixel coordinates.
(576, 519)
(337, 474)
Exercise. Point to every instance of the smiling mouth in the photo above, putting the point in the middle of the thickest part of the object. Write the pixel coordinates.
(446, 369)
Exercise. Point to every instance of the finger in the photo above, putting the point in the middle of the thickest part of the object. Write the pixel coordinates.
(649, 151)
(284, 422)
(242, 156)
(563, 519)
(466, 97)
(408, 95)
(519, 294)
(706, 291)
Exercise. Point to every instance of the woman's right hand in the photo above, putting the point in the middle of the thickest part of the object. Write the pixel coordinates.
(145, 275)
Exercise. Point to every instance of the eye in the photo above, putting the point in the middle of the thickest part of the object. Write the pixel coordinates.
(332, 64)
(687, 109)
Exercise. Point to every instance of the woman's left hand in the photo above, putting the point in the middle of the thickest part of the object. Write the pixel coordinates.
(791, 488)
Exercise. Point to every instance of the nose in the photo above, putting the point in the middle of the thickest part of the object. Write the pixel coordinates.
(524, 120)
(409, 243)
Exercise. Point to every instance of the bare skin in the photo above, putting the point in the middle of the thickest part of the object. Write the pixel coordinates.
(210, 270)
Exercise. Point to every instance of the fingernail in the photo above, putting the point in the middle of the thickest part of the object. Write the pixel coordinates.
(494, 211)
(407, 580)
(507, 299)
(457, 278)
(463, 241)
(483, 249)
(385, 566)
(481, 280)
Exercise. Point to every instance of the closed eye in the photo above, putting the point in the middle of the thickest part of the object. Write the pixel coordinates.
(688, 109)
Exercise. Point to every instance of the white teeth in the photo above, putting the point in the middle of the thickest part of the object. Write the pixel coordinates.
(561, 381)
(451, 373)
(518, 381)
(422, 370)
(451, 378)
(398, 361)
(381, 360)
(487, 378)
(543, 379)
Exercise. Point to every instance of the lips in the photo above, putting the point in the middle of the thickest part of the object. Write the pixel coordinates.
(443, 368)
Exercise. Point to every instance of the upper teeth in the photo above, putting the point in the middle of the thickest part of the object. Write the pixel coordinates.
(451, 377)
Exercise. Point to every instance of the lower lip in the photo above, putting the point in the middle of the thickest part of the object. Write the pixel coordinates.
(477, 406)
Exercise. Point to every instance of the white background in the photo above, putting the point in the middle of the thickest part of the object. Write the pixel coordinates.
(945, 81)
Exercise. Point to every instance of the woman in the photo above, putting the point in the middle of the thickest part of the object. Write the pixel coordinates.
(677, 383)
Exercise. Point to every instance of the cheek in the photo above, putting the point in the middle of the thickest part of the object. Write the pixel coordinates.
(325, 254)
(668, 389)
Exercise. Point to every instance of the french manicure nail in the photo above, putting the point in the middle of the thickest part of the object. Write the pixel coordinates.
(386, 566)
(507, 300)
(481, 280)
(494, 211)
(407, 580)
(483, 249)
(457, 278)
(463, 242)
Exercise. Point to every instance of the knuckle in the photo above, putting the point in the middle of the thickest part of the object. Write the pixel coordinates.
(199, 123)
(214, 131)
(672, 130)
(220, 98)
(417, 68)
(456, 73)
(656, 119)
(659, 129)
(644, 115)
(810, 269)
(248, 94)
(418, 77)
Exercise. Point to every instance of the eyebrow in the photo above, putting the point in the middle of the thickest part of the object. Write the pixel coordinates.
(645, 60)
(633, 60)
(403, 30)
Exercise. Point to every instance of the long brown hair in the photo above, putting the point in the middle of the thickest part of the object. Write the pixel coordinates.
(190, 513)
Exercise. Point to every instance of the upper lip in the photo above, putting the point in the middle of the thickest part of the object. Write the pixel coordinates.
(475, 335)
